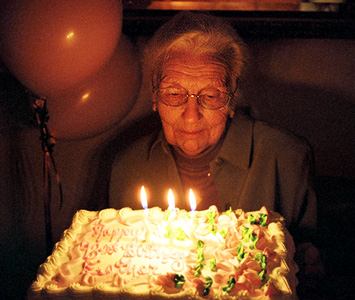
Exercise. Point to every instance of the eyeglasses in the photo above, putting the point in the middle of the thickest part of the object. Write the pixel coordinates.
(209, 98)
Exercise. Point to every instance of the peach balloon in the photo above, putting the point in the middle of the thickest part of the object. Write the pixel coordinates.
(51, 46)
(102, 101)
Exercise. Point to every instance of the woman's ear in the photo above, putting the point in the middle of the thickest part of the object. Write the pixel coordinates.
(231, 113)
(232, 107)
(154, 101)
(155, 106)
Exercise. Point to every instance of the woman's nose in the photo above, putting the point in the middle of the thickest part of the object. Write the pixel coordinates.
(192, 110)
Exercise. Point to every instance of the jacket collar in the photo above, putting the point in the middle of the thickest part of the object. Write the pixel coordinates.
(160, 143)
(237, 145)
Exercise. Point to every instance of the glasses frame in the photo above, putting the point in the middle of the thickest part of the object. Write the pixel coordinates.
(197, 96)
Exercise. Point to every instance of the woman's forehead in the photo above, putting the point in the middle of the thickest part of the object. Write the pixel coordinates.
(193, 67)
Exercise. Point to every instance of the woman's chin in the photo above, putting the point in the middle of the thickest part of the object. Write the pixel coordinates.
(191, 148)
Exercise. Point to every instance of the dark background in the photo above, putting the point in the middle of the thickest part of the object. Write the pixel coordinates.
(301, 77)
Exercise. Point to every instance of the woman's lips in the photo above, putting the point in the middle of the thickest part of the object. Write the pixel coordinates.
(193, 133)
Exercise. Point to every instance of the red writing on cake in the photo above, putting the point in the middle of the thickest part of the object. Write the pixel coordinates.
(150, 257)
(100, 231)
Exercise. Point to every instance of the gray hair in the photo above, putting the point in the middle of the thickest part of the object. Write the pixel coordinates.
(203, 35)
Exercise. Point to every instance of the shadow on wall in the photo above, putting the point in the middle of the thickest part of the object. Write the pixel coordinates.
(307, 87)
(323, 117)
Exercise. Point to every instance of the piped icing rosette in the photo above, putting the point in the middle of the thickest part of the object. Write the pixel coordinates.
(156, 254)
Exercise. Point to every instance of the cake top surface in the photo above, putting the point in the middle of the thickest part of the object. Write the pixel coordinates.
(204, 254)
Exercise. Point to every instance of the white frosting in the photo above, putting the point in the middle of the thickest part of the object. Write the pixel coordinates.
(127, 253)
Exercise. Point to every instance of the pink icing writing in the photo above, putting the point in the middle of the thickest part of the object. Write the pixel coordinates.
(131, 251)
(93, 250)
(100, 230)
(151, 251)
(126, 266)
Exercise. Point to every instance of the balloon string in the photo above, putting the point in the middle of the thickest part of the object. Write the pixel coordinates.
(47, 203)
(48, 142)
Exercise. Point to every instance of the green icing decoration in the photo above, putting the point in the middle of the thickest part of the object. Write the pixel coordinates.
(200, 244)
(240, 252)
(229, 211)
(208, 284)
(262, 275)
(251, 219)
(254, 239)
(168, 232)
(266, 284)
(246, 232)
(179, 281)
(230, 284)
(180, 234)
(213, 265)
(211, 215)
(261, 220)
(200, 258)
(223, 233)
(261, 259)
(248, 235)
(168, 214)
(212, 228)
(198, 270)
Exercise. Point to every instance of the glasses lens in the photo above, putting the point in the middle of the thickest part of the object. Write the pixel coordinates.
(172, 96)
(213, 99)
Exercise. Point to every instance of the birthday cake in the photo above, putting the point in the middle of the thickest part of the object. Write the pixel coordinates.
(157, 254)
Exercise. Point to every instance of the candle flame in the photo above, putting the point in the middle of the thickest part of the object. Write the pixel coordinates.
(192, 200)
(144, 200)
(171, 200)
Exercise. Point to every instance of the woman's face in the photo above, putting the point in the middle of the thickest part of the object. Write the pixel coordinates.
(191, 127)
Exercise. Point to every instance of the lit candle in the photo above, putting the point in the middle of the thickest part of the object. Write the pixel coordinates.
(192, 201)
(144, 202)
(171, 202)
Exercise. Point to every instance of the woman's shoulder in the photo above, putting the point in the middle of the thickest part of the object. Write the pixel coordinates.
(274, 137)
(280, 141)
(137, 140)
(138, 149)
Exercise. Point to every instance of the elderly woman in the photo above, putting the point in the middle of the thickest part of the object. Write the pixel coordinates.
(195, 62)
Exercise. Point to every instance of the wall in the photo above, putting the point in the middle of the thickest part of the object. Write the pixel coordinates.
(307, 86)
